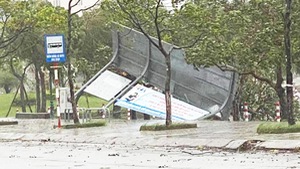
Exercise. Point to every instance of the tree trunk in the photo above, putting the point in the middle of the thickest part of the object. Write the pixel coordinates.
(37, 87)
(21, 79)
(70, 73)
(237, 102)
(289, 75)
(236, 110)
(43, 91)
(22, 96)
(167, 91)
(11, 104)
(27, 98)
(281, 92)
(71, 85)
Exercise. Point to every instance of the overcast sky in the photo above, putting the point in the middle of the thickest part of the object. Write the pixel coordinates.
(87, 3)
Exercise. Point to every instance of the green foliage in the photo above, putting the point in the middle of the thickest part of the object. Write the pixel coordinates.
(296, 111)
(35, 18)
(40, 15)
(260, 98)
(7, 80)
(246, 36)
(6, 100)
(90, 101)
(31, 100)
(94, 42)
(146, 16)
(277, 128)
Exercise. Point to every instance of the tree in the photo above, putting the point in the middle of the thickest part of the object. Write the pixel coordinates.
(289, 75)
(94, 42)
(8, 33)
(245, 37)
(150, 18)
(39, 17)
(70, 16)
(11, 40)
(21, 77)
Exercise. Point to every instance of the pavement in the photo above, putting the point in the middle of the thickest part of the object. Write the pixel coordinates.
(208, 134)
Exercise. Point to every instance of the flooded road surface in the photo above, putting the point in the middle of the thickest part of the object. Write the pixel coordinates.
(125, 129)
(50, 155)
(35, 144)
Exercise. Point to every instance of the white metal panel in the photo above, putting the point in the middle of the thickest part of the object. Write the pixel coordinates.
(64, 96)
(151, 102)
(107, 85)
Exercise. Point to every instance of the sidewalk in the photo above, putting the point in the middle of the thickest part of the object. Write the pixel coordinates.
(213, 134)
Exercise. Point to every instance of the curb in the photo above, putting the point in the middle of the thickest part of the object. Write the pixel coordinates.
(2, 123)
(200, 144)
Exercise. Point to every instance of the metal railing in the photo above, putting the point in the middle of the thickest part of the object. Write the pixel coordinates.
(85, 114)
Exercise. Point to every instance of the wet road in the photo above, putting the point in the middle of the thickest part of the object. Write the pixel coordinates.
(125, 129)
(120, 144)
(48, 155)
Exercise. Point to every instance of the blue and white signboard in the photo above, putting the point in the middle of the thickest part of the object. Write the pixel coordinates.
(55, 48)
(151, 102)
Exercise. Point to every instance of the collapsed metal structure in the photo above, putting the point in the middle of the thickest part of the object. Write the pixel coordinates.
(210, 89)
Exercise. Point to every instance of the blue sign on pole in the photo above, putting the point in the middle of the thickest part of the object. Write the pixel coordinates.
(55, 48)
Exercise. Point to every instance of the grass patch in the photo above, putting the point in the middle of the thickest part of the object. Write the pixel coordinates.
(87, 100)
(84, 125)
(277, 128)
(6, 99)
(174, 126)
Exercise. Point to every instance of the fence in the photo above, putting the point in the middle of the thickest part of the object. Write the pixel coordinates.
(85, 114)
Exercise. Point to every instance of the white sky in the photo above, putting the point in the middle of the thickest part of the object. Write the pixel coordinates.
(87, 3)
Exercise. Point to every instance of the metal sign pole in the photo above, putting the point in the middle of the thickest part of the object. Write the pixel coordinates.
(55, 53)
(56, 81)
(51, 95)
(57, 96)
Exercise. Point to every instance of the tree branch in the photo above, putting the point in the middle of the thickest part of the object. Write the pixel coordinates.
(12, 50)
(75, 3)
(84, 9)
(192, 44)
(252, 73)
(4, 25)
(156, 24)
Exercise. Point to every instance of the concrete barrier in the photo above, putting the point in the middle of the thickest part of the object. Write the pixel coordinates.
(2, 123)
(22, 115)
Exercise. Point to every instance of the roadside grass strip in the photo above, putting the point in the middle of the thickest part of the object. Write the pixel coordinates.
(99, 123)
(277, 128)
(174, 126)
